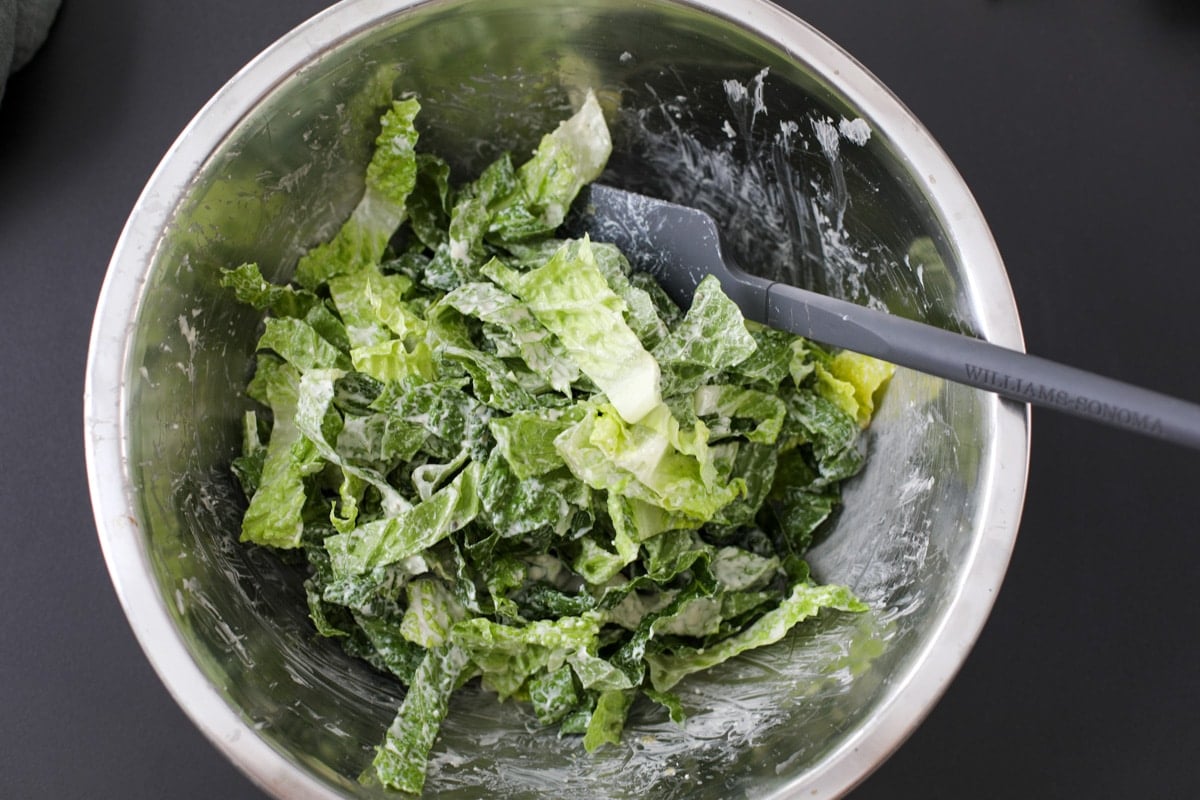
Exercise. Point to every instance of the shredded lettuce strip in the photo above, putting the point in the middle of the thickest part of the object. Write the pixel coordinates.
(509, 458)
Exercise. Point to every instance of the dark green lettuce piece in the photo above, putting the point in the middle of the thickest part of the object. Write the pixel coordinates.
(400, 762)
(251, 288)
(770, 363)
(640, 310)
(712, 334)
(514, 507)
(456, 260)
(553, 694)
(830, 433)
(395, 652)
(429, 203)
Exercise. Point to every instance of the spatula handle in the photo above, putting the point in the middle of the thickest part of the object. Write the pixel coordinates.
(962, 359)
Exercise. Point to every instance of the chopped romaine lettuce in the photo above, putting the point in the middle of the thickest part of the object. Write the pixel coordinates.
(506, 456)
(670, 665)
(391, 175)
(863, 374)
(400, 760)
(567, 159)
(570, 297)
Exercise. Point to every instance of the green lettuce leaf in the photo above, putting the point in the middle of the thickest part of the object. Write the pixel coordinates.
(608, 719)
(400, 762)
(734, 411)
(770, 363)
(713, 333)
(542, 353)
(275, 514)
(431, 613)
(456, 260)
(668, 667)
(429, 204)
(508, 655)
(516, 507)
(566, 160)
(391, 650)
(372, 306)
(641, 313)
(599, 561)
(526, 440)
(251, 288)
(406, 534)
(570, 297)
(711, 338)
(851, 381)
(300, 345)
(320, 423)
(456, 423)
(379, 440)
(553, 694)
(654, 461)
(391, 176)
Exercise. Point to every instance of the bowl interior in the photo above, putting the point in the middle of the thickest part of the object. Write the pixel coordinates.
(808, 167)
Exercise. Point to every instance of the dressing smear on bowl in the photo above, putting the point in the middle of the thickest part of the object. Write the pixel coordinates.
(509, 460)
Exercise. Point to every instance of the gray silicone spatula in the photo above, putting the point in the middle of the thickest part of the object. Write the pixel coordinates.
(680, 245)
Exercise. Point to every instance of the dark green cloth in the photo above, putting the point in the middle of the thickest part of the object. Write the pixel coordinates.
(24, 25)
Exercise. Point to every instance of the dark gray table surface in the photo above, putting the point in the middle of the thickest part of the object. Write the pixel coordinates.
(1077, 125)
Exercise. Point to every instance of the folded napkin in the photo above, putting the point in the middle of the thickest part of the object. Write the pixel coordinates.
(23, 27)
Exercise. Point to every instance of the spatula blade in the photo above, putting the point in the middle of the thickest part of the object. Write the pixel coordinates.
(675, 244)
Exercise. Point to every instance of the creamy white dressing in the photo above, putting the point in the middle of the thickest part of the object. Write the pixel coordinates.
(855, 130)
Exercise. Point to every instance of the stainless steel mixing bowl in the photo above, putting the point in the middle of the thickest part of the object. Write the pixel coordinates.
(818, 175)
